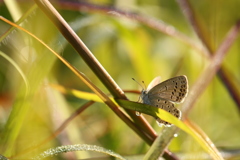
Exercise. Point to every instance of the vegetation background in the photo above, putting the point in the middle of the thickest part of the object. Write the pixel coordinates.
(123, 37)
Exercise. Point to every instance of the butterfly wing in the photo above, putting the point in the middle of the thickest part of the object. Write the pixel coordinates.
(160, 95)
(174, 89)
(153, 83)
(167, 106)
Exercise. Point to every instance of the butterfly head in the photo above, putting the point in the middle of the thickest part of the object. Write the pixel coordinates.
(144, 97)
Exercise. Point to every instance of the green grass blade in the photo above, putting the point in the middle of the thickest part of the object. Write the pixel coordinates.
(78, 94)
(77, 147)
(206, 143)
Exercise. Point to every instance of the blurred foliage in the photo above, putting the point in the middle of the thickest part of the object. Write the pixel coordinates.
(126, 49)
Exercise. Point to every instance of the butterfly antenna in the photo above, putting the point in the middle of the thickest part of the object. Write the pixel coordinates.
(138, 83)
(144, 85)
(139, 98)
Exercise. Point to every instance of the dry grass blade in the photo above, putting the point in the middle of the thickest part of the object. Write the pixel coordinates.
(148, 21)
(202, 83)
(211, 70)
(80, 75)
(144, 129)
(159, 144)
(223, 71)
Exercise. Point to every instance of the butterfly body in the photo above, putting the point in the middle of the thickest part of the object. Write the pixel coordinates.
(162, 95)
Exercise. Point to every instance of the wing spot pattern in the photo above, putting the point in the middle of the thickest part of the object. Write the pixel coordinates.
(171, 91)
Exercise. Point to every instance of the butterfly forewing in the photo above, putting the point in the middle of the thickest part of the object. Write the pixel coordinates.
(174, 89)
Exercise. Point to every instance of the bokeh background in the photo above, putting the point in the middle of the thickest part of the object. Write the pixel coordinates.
(127, 48)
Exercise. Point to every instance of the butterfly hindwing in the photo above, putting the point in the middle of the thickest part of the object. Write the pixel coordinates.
(167, 106)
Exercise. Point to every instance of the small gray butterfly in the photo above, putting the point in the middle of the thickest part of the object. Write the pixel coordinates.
(162, 95)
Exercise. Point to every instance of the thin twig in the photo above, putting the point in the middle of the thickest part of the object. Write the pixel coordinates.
(142, 127)
(190, 15)
(201, 84)
(222, 73)
(206, 77)
(233, 88)
(168, 30)
(148, 21)
(101, 95)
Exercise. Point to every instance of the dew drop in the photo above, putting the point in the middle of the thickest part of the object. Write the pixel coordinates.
(212, 145)
(138, 113)
(175, 135)
(159, 124)
(168, 125)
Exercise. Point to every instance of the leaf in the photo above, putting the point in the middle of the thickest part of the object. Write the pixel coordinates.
(203, 140)
(78, 94)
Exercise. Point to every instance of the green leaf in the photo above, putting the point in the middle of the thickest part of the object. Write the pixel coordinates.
(78, 94)
(204, 141)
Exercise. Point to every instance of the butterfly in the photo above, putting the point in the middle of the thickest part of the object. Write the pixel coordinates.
(162, 95)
